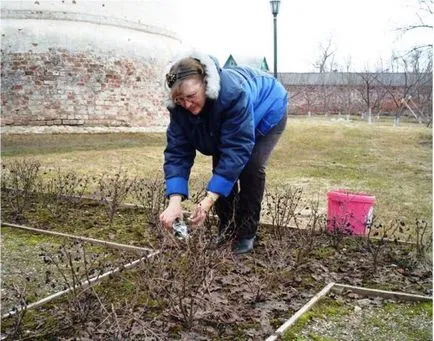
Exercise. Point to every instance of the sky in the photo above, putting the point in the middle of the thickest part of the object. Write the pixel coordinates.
(363, 33)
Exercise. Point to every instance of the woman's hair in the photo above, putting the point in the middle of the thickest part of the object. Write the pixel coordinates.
(184, 69)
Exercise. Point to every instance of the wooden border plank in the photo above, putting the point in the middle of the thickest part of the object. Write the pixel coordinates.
(339, 287)
(87, 239)
(381, 293)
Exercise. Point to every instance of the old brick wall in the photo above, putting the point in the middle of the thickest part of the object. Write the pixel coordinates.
(61, 87)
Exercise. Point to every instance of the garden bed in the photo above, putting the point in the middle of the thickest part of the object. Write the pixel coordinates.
(177, 295)
(192, 289)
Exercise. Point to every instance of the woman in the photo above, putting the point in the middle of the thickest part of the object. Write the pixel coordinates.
(234, 114)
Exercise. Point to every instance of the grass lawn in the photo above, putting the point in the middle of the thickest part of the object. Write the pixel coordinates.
(392, 163)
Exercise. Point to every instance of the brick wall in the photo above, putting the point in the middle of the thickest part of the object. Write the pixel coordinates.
(66, 88)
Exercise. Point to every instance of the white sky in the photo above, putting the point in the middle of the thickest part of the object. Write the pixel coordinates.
(363, 30)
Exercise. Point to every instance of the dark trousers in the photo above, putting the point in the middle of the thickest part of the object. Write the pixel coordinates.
(239, 213)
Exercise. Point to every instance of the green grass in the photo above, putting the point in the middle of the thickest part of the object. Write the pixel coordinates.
(392, 163)
(326, 308)
(403, 318)
(29, 145)
(397, 319)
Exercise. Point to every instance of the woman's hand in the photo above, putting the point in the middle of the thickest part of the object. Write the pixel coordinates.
(200, 213)
(172, 212)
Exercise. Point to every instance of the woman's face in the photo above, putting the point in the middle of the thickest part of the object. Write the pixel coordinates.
(190, 95)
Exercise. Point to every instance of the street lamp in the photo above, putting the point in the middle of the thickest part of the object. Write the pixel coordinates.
(275, 10)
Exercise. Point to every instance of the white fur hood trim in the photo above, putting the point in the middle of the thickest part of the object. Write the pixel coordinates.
(212, 76)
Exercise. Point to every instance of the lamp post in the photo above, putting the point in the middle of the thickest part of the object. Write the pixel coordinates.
(275, 10)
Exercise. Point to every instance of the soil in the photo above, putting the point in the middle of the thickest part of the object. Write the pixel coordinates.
(179, 295)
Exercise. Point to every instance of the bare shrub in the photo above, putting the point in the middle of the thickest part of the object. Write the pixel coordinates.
(125, 322)
(73, 268)
(281, 207)
(420, 237)
(62, 191)
(150, 194)
(378, 238)
(180, 277)
(19, 183)
(284, 206)
(424, 240)
(19, 310)
(113, 190)
(67, 268)
(338, 229)
(306, 238)
(279, 262)
(211, 219)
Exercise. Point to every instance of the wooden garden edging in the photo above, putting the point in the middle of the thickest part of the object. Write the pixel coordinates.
(300, 312)
(82, 285)
(339, 287)
(87, 239)
(86, 283)
(331, 286)
(381, 293)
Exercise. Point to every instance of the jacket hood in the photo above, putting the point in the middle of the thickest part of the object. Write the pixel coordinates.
(212, 74)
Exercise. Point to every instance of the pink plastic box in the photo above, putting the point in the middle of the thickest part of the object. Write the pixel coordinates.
(349, 212)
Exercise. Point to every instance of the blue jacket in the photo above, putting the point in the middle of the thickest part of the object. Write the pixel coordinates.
(242, 103)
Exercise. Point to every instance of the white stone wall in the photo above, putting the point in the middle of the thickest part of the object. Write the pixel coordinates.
(157, 13)
(88, 64)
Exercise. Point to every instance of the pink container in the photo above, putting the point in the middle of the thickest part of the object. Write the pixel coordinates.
(349, 212)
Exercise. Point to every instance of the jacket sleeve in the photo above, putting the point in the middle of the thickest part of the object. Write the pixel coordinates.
(237, 140)
(178, 159)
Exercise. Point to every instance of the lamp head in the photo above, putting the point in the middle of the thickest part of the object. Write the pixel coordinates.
(275, 6)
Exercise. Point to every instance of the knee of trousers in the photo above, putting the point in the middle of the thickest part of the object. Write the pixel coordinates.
(252, 173)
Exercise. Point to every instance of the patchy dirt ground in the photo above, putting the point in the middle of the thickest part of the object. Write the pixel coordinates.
(195, 290)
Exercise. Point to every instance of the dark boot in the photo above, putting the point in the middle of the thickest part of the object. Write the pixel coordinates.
(243, 245)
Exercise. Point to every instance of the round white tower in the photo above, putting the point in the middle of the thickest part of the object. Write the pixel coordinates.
(74, 63)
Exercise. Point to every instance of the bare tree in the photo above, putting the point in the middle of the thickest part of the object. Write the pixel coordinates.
(417, 65)
(346, 93)
(309, 97)
(366, 92)
(424, 11)
(326, 62)
(414, 92)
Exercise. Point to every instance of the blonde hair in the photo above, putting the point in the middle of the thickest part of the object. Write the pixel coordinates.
(186, 68)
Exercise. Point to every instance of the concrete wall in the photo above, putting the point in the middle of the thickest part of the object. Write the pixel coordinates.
(84, 64)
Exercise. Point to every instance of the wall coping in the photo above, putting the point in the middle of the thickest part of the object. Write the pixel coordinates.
(88, 18)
